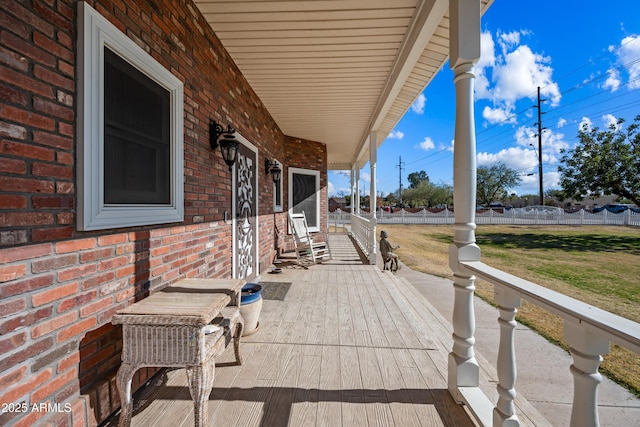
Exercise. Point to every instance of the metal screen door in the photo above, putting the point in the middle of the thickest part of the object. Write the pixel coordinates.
(245, 213)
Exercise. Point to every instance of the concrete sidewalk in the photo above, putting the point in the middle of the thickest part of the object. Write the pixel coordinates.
(543, 378)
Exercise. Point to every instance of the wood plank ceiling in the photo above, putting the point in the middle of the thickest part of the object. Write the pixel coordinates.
(332, 70)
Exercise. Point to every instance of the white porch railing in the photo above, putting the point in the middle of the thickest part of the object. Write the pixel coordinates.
(363, 231)
(588, 331)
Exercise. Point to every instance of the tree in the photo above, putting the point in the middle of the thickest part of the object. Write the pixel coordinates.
(428, 194)
(493, 183)
(415, 178)
(604, 162)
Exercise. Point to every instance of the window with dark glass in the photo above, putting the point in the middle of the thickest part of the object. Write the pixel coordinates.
(137, 138)
(304, 197)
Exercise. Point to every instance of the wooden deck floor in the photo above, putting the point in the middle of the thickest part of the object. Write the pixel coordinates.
(349, 345)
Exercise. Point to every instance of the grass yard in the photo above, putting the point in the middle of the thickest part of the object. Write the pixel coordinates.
(594, 264)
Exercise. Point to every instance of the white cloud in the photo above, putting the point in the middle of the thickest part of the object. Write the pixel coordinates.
(449, 147)
(521, 74)
(516, 158)
(396, 134)
(628, 55)
(512, 74)
(585, 124)
(561, 123)
(331, 189)
(613, 80)
(427, 144)
(418, 104)
(610, 120)
(487, 60)
(498, 115)
(365, 176)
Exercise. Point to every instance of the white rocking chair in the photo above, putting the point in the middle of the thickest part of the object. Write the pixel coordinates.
(304, 244)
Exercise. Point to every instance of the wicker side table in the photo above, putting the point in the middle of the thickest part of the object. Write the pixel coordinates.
(170, 329)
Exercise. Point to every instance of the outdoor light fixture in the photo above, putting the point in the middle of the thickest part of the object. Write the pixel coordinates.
(225, 139)
(274, 168)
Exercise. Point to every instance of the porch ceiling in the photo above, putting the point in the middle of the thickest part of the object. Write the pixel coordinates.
(332, 70)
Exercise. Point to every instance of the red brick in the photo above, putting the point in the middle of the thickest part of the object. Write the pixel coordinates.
(8, 308)
(23, 354)
(77, 329)
(94, 360)
(72, 360)
(52, 77)
(52, 171)
(98, 280)
(76, 272)
(65, 218)
(53, 324)
(24, 253)
(26, 185)
(53, 109)
(112, 263)
(12, 377)
(54, 294)
(12, 394)
(54, 385)
(27, 285)
(29, 18)
(27, 318)
(65, 188)
(28, 150)
(56, 233)
(12, 272)
(125, 271)
(75, 245)
(25, 219)
(53, 263)
(53, 140)
(96, 306)
(13, 342)
(12, 202)
(52, 202)
(112, 239)
(14, 166)
(51, 46)
(11, 95)
(28, 118)
(27, 50)
(65, 158)
(24, 82)
(76, 301)
(96, 254)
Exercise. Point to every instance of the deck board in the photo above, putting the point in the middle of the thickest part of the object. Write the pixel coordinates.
(349, 345)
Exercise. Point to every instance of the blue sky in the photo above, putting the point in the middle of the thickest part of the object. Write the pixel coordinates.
(585, 55)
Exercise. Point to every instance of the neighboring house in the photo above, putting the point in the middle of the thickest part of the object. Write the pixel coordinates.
(110, 188)
(337, 202)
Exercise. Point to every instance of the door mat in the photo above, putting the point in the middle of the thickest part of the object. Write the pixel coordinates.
(275, 290)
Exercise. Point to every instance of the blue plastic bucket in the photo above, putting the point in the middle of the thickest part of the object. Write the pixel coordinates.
(251, 292)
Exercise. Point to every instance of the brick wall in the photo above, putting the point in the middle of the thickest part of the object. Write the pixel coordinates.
(60, 287)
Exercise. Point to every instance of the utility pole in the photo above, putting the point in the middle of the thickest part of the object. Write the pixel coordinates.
(399, 166)
(540, 129)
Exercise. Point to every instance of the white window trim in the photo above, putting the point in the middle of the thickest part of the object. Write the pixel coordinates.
(306, 172)
(94, 33)
(278, 207)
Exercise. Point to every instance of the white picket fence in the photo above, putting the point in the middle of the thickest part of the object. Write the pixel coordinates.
(515, 216)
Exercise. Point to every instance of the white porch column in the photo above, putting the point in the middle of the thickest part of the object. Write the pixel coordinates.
(356, 202)
(373, 159)
(353, 189)
(464, 52)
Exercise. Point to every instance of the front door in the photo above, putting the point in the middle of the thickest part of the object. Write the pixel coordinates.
(245, 212)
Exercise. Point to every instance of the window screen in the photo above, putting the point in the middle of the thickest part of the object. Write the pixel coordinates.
(136, 136)
(305, 197)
